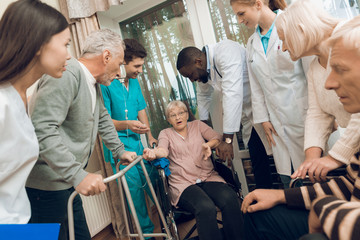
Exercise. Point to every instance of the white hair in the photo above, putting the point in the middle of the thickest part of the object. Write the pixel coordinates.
(103, 39)
(305, 24)
(173, 105)
(349, 33)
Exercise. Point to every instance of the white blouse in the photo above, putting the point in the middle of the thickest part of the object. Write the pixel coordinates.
(19, 150)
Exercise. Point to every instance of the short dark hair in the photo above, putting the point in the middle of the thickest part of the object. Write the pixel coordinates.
(187, 56)
(26, 26)
(133, 49)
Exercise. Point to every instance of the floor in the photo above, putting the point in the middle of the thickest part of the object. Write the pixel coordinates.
(183, 229)
(108, 233)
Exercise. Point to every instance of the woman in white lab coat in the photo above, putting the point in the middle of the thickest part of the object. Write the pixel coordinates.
(278, 84)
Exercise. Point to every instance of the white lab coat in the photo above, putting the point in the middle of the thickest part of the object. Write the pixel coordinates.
(227, 95)
(19, 151)
(279, 95)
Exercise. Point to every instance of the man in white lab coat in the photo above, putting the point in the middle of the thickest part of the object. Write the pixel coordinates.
(223, 90)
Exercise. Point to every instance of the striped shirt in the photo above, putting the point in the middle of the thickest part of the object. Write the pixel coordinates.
(336, 203)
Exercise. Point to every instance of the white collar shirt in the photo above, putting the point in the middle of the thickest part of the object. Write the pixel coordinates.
(91, 81)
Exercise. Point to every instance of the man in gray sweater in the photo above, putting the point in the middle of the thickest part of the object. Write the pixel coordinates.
(67, 114)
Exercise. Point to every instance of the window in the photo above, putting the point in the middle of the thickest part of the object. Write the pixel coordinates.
(163, 30)
(225, 22)
(346, 9)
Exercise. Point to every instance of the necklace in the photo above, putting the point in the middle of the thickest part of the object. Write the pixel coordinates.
(187, 125)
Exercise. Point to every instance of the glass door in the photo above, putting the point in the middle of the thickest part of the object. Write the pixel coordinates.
(163, 30)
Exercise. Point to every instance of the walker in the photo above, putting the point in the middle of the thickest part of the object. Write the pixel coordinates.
(121, 175)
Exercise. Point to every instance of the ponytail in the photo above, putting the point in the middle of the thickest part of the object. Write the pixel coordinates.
(277, 4)
(273, 4)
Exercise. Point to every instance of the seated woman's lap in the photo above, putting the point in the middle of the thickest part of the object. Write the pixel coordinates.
(201, 200)
(208, 195)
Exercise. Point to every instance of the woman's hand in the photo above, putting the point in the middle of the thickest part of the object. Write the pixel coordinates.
(205, 151)
(149, 154)
(269, 130)
(317, 168)
(137, 126)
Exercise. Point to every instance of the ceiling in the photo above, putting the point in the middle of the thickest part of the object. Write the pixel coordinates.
(130, 8)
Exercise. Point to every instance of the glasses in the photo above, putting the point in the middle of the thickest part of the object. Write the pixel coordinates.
(180, 114)
(122, 74)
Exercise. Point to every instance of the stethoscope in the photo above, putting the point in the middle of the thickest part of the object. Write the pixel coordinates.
(121, 79)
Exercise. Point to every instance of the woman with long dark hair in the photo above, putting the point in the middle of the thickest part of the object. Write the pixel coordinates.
(33, 41)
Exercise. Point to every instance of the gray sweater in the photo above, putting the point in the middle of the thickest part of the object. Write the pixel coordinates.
(61, 113)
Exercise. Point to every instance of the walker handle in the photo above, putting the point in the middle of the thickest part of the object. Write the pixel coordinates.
(105, 180)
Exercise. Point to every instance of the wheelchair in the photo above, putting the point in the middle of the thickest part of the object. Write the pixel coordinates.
(175, 216)
(298, 182)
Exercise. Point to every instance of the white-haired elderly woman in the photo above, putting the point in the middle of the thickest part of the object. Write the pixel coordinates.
(194, 185)
(304, 29)
(334, 205)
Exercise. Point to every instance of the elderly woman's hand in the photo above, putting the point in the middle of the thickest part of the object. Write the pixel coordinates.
(149, 154)
(205, 151)
(317, 168)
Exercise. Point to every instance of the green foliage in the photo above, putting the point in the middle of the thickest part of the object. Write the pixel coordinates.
(164, 32)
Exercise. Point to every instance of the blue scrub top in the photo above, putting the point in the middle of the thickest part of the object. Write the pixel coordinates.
(265, 38)
(116, 99)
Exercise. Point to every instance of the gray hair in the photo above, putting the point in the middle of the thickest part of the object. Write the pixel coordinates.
(174, 104)
(349, 33)
(305, 24)
(103, 39)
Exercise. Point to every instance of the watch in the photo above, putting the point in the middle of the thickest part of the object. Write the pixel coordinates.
(228, 140)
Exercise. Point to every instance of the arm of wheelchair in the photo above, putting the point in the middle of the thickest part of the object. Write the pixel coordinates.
(163, 191)
(296, 182)
(229, 174)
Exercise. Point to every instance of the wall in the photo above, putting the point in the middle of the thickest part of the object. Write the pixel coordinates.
(107, 22)
(5, 3)
(130, 8)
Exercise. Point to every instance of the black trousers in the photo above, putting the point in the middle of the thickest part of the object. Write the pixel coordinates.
(277, 223)
(314, 236)
(260, 161)
(51, 207)
(202, 199)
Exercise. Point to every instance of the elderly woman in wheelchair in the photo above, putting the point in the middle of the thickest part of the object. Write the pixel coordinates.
(194, 184)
